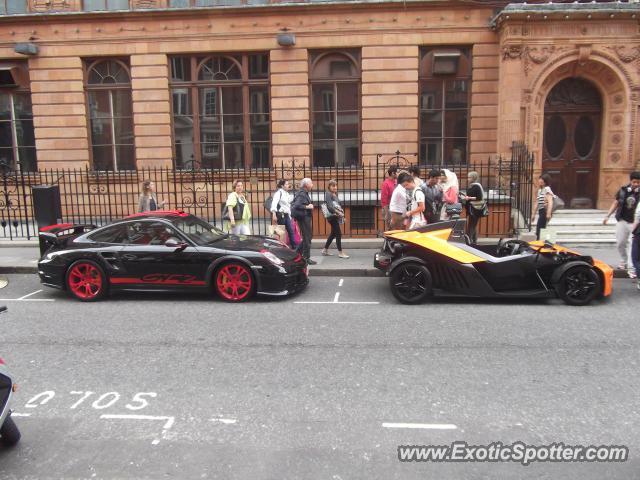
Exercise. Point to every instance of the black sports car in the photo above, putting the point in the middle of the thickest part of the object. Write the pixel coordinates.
(438, 259)
(166, 250)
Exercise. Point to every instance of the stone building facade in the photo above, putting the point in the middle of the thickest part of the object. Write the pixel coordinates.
(125, 84)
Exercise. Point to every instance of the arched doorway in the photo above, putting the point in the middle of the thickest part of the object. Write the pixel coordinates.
(571, 141)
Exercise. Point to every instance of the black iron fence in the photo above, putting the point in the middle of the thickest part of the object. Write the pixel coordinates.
(99, 197)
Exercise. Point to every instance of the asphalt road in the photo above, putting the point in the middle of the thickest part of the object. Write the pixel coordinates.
(163, 386)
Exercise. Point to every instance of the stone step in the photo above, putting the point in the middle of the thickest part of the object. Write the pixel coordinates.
(589, 234)
(585, 242)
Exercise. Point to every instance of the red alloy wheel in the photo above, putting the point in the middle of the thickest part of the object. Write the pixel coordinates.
(234, 282)
(85, 281)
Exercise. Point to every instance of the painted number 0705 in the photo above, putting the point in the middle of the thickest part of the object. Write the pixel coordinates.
(97, 401)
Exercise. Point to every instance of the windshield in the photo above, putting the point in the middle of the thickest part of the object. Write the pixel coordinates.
(199, 231)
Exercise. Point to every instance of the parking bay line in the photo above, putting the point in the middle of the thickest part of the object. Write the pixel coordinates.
(426, 426)
(29, 294)
(339, 303)
(27, 300)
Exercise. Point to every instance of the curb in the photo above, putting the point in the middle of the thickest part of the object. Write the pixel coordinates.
(313, 272)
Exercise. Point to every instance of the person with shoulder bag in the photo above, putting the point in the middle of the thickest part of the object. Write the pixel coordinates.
(302, 211)
(237, 211)
(281, 210)
(333, 212)
(476, 205)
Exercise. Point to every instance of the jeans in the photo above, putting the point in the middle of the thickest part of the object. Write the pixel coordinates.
(335, 233)
(635, 252)
(306, 232)
(623, 235)
(286, 221)
(542, 222)
(472, 223)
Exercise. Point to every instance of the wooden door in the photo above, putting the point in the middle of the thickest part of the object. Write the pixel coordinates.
(571, 152)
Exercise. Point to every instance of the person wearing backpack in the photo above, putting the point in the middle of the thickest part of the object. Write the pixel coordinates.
(415, 214)
(302, 212)
(475, 204)
(281, 209)
(432, 197)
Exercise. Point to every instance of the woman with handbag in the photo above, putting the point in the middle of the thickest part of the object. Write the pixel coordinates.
(475, 204)
(450, 189)
(238, 211)
(543, 205)
(281, 209)
(333, 212)
(148, 201)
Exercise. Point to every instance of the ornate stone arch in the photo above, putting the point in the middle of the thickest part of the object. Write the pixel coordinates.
(619, 115)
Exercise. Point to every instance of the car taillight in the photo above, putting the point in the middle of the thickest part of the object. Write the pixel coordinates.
(1, 362)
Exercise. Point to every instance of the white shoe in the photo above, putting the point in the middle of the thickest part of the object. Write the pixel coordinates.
(326, 253)
(343, 255)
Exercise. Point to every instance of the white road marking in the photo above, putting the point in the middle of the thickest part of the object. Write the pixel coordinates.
(16, 414)
(341, 282)
(427, 426)
(337, 296)
(226, 421)
(29, 294)
(27, 300)
(169, 421)
(339, 303)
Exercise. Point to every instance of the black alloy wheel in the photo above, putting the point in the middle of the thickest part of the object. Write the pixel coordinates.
(411, 283)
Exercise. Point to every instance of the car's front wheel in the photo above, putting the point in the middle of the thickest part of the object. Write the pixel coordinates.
(411, 283)
(9, 433)
(234, 282)
(86, 281)
(579, 285)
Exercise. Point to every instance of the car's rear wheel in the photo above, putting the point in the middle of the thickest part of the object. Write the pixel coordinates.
(9, 433)
(86, 281)
(234, 282)
(411, 283)
(579, 285)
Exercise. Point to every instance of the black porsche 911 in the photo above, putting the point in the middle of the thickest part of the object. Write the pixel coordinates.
(166, 250)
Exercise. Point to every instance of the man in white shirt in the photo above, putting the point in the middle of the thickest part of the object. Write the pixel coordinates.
(415, 213)
(398, 204)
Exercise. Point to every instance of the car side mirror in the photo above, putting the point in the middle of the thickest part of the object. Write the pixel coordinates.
(173, 243)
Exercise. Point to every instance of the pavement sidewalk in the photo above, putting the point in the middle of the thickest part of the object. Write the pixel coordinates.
(23, 259)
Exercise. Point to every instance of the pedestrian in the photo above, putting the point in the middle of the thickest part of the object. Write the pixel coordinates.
(414, 170)
(281, 209)
(475, 204)
(544, 204)
(148, 201)
(450, 189)
(624, 207)
(302, 212)
(433, 197)
(635, 247)
(239, 210)
(398, 204)
(415, 213)
(388, 185)
(335, 216)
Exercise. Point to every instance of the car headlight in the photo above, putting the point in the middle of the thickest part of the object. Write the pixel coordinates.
(271, 257)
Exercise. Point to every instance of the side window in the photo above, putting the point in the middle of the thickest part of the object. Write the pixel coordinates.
(114, 234)
(150, 233)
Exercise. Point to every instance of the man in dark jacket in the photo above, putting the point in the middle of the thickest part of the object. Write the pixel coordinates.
(433, 197)
(302, 211)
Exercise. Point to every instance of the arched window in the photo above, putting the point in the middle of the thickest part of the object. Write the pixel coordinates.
(335, 108)
(17, 140)
(445, 87)
(220, 107)
(108, 85)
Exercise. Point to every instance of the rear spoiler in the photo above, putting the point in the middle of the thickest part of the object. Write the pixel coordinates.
(59, 233)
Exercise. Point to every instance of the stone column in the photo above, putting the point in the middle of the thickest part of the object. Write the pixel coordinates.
(59, 112)
(151, 110)
(290, 105)
(389, 101)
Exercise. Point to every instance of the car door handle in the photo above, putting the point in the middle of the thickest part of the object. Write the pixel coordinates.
(129, 256)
